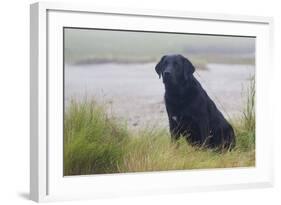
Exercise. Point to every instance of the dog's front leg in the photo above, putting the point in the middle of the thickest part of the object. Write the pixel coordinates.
(204, 133)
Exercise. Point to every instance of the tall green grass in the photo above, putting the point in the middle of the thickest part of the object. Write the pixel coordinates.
(95, 143)
(246, 124)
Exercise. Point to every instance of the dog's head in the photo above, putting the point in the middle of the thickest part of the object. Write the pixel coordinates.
(175, 69)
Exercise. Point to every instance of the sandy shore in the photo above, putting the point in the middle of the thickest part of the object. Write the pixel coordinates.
(133, 92)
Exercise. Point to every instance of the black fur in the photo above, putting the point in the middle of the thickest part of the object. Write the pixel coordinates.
(191, 111)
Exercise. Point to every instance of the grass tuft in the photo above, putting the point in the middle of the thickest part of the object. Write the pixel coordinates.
(93, 142)
(245, 125)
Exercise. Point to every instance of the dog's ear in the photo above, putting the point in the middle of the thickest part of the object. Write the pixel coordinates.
(188, 68)
(159, 66)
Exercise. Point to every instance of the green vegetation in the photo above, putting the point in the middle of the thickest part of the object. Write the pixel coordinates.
(245, 126)
(95, 142)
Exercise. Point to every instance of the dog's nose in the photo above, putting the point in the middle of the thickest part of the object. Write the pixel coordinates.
(166, 74)
(167, 77)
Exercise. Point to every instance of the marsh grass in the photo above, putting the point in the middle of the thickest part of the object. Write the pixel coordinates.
(96, 143)
(93, 143)
(245, 125)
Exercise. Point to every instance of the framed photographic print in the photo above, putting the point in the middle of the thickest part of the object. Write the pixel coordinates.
(127, 102)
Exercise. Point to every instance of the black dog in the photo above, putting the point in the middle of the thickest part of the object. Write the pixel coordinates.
(191, 112)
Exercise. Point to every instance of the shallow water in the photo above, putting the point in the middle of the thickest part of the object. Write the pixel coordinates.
(134, 92)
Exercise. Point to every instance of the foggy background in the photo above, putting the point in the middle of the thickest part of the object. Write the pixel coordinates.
(116, 68)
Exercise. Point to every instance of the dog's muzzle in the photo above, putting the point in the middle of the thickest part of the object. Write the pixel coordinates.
(167, 77)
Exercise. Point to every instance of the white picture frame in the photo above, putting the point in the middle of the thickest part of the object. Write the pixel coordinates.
(47, 182)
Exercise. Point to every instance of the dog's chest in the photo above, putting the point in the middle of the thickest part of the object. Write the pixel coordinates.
(181, 119)
(175, 118)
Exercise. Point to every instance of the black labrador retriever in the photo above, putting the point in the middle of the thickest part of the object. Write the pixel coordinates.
(191, 111)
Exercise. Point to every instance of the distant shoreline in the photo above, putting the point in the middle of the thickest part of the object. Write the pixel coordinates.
(199, 61)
